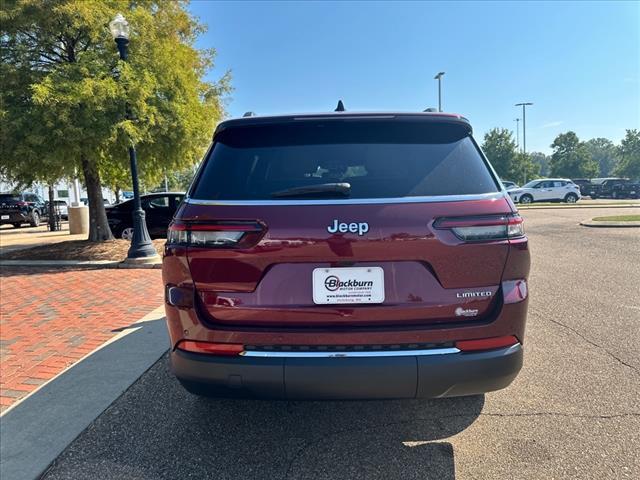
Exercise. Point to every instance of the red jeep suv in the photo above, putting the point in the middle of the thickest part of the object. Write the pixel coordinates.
(346, 256)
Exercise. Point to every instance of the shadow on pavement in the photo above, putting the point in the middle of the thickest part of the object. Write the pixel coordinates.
(158, 430)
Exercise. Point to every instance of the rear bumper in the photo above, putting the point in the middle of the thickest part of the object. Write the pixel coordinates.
(383, 377)
(14, 217)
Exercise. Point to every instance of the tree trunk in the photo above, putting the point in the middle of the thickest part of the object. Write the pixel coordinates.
(99, 230)
(117, 192)
(53, 220)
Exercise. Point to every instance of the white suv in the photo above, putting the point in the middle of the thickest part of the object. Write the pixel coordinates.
(546, 190)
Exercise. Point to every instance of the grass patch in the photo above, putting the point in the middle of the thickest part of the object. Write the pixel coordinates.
(114, 250)
(618, 218)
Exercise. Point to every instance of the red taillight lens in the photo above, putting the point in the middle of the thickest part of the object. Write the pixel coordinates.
(486, 343)
(227, 234)
(480, 228)
(225, 349)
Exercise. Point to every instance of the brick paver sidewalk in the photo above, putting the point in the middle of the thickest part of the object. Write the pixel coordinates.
(49, 319)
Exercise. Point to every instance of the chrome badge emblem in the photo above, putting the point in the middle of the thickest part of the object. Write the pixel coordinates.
(466, 312)
(360, 228)
(481, 294)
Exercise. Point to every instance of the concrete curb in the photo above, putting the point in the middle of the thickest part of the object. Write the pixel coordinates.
(591, 223)
(37, 429)
(542, 207)
(78, 263)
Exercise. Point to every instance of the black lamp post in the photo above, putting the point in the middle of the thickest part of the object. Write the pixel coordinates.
(141, 245)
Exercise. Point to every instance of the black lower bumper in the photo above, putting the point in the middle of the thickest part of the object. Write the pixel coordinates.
(385, 377)
(13, 217)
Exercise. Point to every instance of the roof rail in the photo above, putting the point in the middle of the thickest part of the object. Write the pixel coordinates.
(249, 114)
(340, 107)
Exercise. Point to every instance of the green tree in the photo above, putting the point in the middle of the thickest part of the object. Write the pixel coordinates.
(524, 169)
(542, 161)
(64, 91)
(629, 154)
(177, 180)
(571, 158)
(500, 148)
(603, 151)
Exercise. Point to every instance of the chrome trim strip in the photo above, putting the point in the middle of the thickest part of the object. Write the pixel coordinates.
(353, 201)
(352, 354)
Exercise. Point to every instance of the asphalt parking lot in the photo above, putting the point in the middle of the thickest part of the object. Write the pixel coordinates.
(574, 411)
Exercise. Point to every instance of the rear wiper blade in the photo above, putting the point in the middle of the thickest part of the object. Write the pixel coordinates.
(342, 188)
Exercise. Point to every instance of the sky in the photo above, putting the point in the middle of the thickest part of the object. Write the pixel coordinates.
(578, 62)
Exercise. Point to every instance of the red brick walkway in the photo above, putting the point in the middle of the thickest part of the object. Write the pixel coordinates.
(51, 318)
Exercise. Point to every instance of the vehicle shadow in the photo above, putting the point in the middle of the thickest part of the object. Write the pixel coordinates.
(376, 439)
(158, 430)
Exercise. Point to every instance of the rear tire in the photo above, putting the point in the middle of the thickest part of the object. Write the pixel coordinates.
(571, 198)
(17, 225)
(526, 199)
(35, 219)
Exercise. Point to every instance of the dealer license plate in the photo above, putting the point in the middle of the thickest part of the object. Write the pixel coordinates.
(348, 285)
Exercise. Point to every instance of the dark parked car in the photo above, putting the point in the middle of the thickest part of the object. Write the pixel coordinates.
(344, 256)
(159, 209)
(20, 208)
(614, 188)
(584, 184)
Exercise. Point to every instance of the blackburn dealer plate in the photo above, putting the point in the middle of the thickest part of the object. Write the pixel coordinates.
(348, 285)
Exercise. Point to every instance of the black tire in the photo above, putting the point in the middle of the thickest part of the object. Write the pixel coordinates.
(34, 221)
(571, 198)
(526, 199)
(17, 225)
(593, 197)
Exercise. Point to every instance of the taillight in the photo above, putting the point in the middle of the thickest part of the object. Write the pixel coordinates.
(220, 234)
(480, 228)
(486, 343)
(225, 349)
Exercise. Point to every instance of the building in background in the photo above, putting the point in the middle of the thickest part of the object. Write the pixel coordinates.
(62, 191)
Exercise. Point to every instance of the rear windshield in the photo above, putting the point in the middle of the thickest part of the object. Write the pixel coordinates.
(376, 160)
(9, 197)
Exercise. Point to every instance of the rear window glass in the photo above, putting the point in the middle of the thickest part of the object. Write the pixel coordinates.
(377, 160)
(9, 197)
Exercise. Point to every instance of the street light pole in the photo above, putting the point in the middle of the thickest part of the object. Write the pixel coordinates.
(439, 78)
(141, 246)
(517, 120)
(524, 134)
(524, 125)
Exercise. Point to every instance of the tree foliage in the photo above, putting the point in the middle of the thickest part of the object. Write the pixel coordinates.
(65, 92)
(524, 168)
(629, 154)
(542, 161)
(500, 148)
(571, 158)
(604, 152)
